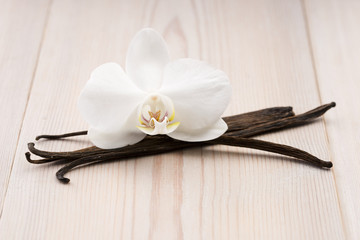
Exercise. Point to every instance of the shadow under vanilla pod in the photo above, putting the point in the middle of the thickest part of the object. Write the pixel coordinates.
(240, 128)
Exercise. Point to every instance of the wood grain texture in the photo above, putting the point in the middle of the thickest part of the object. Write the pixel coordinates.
(335, 37)
(210, 193)
(21, 27)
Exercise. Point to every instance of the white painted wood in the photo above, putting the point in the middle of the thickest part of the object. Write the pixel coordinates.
(335, 36)
(21, 27)
(211, 193)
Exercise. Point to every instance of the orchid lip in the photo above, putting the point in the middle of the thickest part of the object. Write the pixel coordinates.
(154, 115)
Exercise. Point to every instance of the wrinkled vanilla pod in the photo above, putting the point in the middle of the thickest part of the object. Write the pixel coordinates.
(240, 128)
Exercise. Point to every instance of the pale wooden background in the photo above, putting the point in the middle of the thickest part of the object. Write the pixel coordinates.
(276, 52)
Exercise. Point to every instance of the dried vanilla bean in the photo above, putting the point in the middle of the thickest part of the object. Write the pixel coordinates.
(53, 137)
(240, 127)
(139, 151)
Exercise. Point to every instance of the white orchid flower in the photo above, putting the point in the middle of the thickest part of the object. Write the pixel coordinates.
(184, 98)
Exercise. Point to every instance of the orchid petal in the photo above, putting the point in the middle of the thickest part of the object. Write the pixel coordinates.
(108, 98)
(214, 131)
(146, 58)
(200, 94)
(124, 135)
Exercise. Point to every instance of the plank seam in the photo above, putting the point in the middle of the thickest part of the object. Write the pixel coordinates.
(312, 56)
(27, 100)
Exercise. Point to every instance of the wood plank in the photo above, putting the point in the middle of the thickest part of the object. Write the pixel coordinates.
(212, 193)
(21, 28)
(335, 37)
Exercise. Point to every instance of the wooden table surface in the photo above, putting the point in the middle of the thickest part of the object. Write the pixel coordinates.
(299, 53)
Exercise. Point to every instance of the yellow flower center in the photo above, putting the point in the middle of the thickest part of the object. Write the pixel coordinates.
(154, 115)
